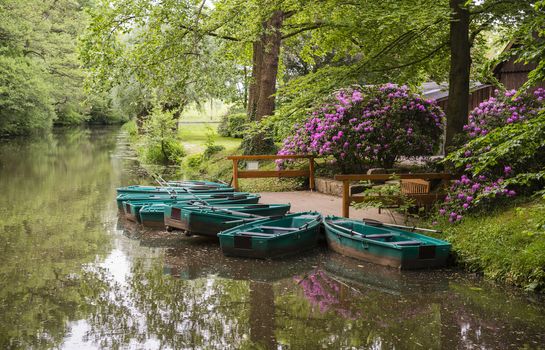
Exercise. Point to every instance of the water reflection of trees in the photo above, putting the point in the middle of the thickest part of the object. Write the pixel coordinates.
(54, 190)
(175, 313)
(208, 311)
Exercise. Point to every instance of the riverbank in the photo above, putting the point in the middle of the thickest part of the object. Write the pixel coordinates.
(506, 245)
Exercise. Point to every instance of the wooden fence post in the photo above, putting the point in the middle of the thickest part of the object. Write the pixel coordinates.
(311, 184)
(235, 174)
(346, 198)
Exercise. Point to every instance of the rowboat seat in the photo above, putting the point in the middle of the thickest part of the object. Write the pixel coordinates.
(254, 234)
(381, 235)
(403, 243)
(277, 228)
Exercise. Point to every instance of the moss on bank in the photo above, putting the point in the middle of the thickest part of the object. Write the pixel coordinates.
(507, 245)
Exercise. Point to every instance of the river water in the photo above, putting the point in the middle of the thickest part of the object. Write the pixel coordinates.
(74, 275)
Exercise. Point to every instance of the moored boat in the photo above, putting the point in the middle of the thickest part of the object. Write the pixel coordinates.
(380, 244)
(152, 214)
(197, 183)
(173, 189)
(209, 220)
(165, 197)
(271, 238)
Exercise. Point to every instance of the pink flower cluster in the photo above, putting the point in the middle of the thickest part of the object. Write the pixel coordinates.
(503, 109)
(369, 125)
(471, 191)
(468, 192)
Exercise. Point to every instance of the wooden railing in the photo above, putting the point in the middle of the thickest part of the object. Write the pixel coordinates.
(420, 198)
(246, 174)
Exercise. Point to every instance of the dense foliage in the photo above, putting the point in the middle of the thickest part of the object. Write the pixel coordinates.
(372, 125)
(160, 137)
(258, 139)
(505, 158)
(233, 125)
(26, 102)
(41, 79)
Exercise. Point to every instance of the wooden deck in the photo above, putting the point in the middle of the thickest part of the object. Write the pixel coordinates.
(323, 203)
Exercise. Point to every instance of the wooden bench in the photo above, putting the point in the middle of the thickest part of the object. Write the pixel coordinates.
(416, 186)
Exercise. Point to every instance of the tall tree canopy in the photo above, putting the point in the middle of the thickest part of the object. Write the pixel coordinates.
(41, 80)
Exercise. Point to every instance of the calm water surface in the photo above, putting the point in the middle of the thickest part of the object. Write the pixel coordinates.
(75, 276)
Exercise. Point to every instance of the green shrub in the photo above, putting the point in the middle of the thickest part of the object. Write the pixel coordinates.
(162, 145)
(258, 139)
(211, 150)
(193, 161)
(211, 147)
(502, 163)
(130, 128)
(167, 152)
(233, 125)
(217, 167)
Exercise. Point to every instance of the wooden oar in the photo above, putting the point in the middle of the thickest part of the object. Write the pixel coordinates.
(227, 210)
(242, 221)
(373, 222)
(186, 190)
(339, 227)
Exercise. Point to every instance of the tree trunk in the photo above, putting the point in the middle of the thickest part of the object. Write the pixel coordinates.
(265, 68)
(245, 86)
(460, 65)
(257, 63)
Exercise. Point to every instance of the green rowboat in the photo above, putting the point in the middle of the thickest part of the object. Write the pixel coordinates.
(208, 220)
(380, 244)
(138, 189)
(152, 214)
(165, 197)
(196, 183)
(131, 208)
(271, 238)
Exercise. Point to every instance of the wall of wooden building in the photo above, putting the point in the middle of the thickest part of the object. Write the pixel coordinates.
(514, 74)
(477, 96)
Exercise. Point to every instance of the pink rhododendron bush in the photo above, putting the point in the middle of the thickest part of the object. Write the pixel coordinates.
(369, 126)
(505, 152)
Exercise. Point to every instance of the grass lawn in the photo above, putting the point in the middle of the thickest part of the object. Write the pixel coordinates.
(507, 245)
(194, 137)
(207, 112)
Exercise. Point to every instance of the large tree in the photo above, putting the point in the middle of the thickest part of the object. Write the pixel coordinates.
(167, 48)
(468, 21)
(42, 78)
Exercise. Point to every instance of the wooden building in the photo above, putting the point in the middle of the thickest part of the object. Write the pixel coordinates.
(514, 74)
(510, 73)
(479, 92)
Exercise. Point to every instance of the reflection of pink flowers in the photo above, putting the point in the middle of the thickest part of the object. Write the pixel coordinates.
(323, 292)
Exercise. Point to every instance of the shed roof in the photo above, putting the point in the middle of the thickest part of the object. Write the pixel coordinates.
(434, 91)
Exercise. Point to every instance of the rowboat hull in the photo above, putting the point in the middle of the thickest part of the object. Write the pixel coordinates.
(206, 222)
(169, 190)
(152, 215)
(131, 209)
(166, 198)
(424, 252)
(251, 240)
